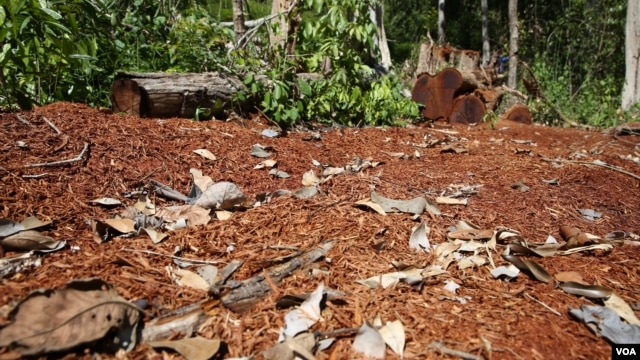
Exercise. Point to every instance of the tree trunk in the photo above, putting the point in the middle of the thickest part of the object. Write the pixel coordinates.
(440, 22)
(239, 27)
(376, 12)
(281, 10)
(174, 95)
(486, 50)
(631, 90)
(513, 44)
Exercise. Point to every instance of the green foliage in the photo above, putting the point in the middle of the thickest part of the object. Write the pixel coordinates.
(352, 93)
(577, 58)
(47, 46)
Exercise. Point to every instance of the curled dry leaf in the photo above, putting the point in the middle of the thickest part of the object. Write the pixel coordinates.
(567, 276)
(205, 154)
(617, 304)
(370, 204)
(8, 227)
(200, 180)
(589, 291)
(369, 342)
(529, 267)
(260, 151)
(58, 320)
(30, 240)
(567, 232)
(195, 348)
(222, 195)
(302, 318)
(393, 335)
(419, 239)
(414, 206)
(106, 201)
(471, 234)
(268, 164)
(310, 179)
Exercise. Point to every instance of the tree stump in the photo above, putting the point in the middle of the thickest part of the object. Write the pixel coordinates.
(467, 109)
(174, 95)
(519, 113)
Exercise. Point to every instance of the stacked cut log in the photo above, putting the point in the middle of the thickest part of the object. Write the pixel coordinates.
(170, 94)
(463, 90)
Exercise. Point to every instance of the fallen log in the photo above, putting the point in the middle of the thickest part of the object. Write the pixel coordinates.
(174, 95)
(437, 93)
(519, 113)
(467, 109)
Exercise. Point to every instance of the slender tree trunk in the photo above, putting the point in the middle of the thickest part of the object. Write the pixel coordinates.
(287, 24)
(440, 22)
(486, 50)
(513, 44)
(376, 12)
(631, 90)
(239, 27)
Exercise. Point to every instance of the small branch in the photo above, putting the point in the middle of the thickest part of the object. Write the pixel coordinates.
(438, 345)
(63, 162)
(36, 176)
(23, 120)
(543, 304)
(606, 166)
(256, 24)
(195, 261)
(52, 125)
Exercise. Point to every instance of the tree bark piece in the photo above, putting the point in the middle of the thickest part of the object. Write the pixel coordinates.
(467, 109)
(437, 93)
(251, 290)
(171, 94)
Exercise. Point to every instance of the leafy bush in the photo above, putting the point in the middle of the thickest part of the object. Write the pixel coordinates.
(352, 93)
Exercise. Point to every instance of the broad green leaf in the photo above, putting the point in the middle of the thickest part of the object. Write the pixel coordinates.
(305, 88)
(51, 13)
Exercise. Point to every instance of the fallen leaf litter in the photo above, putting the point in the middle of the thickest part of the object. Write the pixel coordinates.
(72, 165)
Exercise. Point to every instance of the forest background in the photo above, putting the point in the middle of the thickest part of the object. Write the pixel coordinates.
(71, 50)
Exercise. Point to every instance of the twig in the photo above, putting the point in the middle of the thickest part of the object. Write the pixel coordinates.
(52, 125)
(195, 261)
(36, 176)
(63, 162)
(438, 345)
(250, 33)
(606, 166)
(543, 304)
(337, 333)
(23, 120)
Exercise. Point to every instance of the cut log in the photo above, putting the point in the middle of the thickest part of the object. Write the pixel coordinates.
(437, 93)
(174, 95)
(467, 109)
(519, 113)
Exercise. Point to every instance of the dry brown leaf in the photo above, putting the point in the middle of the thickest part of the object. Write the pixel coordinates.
(58, 320)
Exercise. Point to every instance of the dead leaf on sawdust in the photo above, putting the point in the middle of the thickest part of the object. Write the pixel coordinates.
(196, 348)
(58, 320)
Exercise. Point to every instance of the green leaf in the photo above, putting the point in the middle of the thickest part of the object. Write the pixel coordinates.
(52, 13)
(305, 88)
(3, 15)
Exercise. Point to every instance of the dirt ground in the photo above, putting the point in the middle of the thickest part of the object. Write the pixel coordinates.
(502, 319)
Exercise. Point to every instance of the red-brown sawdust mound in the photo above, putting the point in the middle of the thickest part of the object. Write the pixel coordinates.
(126, 152)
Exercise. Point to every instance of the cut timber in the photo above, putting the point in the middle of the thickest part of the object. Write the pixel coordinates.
(173, 95)
(437, 92)
(467, 109)
(519, 113)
